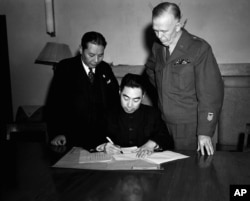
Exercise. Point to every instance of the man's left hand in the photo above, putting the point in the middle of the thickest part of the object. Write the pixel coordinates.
(146, 149)
(205, 143)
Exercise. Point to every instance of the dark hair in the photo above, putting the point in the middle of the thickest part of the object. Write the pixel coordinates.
(93, 37)
(133, 81)
(167, 6)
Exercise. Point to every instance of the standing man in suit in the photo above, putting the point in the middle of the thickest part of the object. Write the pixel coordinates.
(82, 90)
(133, 123)
(185, 72)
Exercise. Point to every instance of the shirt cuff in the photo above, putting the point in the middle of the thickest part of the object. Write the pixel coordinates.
(100, 147)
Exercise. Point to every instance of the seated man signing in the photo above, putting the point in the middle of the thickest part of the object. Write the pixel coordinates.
(135, 124)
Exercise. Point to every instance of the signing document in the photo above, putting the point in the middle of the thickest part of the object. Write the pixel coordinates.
(129, 154)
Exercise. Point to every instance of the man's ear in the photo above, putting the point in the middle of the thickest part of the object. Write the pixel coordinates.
(181, 24)
(143, 96)
(80, 49)
(178, 26)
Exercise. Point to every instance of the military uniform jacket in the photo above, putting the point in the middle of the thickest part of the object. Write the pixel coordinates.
(189, 83)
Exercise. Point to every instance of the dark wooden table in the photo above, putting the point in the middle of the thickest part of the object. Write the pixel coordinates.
(27, 175)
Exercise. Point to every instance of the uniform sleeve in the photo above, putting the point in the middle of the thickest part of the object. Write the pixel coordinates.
(210, 91)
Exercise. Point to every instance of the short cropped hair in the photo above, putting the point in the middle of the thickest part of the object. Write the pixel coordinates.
(133, 81)
(167, 6)
(93, 37)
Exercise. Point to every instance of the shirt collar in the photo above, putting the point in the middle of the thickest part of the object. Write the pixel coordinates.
(172, 46)
(86, 68)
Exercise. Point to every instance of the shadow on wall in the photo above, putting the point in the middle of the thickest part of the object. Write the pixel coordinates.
(148, 38)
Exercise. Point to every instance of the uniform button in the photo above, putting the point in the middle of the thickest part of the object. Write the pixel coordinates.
(130, 129)
(130, 142)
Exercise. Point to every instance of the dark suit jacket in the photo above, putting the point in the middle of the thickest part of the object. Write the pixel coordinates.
(75, 107)
(137, 128)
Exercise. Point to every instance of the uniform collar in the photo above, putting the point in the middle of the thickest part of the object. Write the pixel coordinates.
(128, 115)
(181, 47)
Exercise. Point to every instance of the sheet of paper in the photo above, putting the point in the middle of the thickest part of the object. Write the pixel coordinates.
(157, 157)
(82, 159)
(124, 157)
(165, 156)
(86, 157)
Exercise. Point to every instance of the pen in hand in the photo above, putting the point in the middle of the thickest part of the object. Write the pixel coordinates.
(112, 143)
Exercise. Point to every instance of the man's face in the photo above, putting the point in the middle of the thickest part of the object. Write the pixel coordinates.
(166, 28)
(131, 99)
(92, 55)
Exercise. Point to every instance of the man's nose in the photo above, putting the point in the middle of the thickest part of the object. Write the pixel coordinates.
(96, 59)
(130, 104)
(160, 34)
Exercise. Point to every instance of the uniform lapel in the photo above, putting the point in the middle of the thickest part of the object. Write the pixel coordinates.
(181, 47)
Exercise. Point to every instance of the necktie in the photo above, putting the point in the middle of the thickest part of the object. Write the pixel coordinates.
(91, 75)
(167, 52)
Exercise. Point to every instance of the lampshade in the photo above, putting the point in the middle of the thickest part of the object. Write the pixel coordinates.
(52, 53)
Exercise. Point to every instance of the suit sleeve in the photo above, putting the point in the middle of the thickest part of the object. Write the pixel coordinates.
(210, 91)
(55, 104)
(113, 90)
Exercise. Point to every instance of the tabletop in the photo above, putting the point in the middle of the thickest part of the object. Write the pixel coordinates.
(27, 174)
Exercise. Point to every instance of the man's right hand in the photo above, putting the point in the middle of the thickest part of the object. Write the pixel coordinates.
(59, 140)
(111, 148)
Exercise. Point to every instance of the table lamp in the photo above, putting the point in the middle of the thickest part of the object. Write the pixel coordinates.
(52, 53)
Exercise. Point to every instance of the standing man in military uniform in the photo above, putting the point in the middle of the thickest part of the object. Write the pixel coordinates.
(185, 72)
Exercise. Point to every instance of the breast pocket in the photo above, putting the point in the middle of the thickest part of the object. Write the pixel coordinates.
(183, 77)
